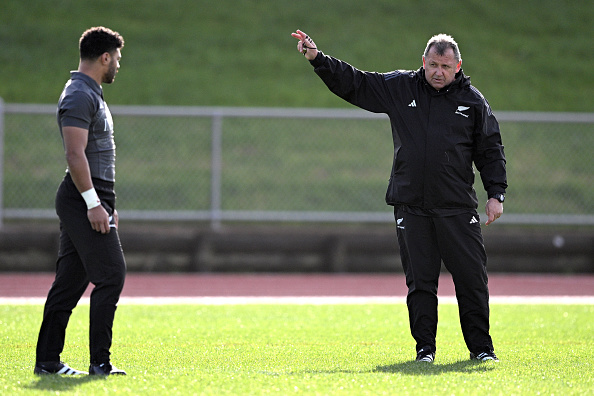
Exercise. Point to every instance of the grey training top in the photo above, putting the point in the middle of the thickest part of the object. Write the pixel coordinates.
(81, 105)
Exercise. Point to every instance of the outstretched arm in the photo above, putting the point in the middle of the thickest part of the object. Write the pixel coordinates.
(366, 90)
(305, 45)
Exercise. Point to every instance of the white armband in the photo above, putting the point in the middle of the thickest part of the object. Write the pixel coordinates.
(91, 198)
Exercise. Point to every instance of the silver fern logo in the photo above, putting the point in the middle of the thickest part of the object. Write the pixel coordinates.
(461, 109)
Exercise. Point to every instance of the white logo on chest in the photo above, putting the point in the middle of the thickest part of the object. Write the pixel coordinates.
(461, 109)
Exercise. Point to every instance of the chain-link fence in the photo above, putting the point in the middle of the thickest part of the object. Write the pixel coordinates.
(249, 164)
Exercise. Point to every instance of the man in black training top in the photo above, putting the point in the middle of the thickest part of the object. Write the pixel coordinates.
(441, 124)
(90, 249)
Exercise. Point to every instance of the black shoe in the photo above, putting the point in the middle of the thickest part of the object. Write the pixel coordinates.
(42, 368)
(425, 355)
(105, 369)
(484, 356)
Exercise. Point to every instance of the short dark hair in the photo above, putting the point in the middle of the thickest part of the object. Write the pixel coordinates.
(442, 42)
(96, 41)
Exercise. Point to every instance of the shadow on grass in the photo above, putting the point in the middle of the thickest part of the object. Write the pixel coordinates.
(422, 368)
(62, 383)
(407, 368)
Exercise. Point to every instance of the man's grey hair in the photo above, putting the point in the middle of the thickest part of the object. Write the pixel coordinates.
(442, 42)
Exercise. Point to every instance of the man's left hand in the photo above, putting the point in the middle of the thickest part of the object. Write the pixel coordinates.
(494, 210)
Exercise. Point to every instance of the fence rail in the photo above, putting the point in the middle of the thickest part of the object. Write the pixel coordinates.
(242, 145)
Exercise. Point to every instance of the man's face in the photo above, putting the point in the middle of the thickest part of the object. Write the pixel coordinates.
(114, 65)
(440, 70)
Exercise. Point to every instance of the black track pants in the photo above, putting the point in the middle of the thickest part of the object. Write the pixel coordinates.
(85, 256)
(457, 241)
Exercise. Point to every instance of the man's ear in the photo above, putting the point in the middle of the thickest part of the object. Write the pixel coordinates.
(459, 66)
(105, 58)
(423, 61)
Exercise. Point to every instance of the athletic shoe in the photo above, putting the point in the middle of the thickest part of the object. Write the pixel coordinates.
(425, 355)
(42, 368)
(105, 369)
(484, 356)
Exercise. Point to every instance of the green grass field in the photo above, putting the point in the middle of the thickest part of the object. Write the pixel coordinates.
(522, 55)
(285, 349)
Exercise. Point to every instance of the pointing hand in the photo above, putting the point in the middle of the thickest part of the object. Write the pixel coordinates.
(305, 45)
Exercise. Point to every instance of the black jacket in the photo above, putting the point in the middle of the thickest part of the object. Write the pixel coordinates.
(437, 135)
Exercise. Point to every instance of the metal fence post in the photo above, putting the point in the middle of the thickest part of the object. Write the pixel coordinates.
(216, 169)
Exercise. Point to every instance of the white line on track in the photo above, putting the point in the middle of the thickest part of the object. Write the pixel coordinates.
(308, 300)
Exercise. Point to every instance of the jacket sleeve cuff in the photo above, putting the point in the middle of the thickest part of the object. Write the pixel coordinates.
(318, 60)
(492, 193)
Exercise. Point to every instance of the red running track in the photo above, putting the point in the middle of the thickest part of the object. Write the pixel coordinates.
(33, 285)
